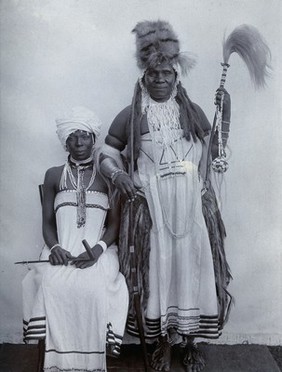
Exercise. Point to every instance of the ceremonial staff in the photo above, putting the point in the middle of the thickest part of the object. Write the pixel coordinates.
(133, 254)
(69, 259)
(247, 42)
(44, 261)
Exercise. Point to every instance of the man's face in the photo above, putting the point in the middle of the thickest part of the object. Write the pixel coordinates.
(159, 82)
(79, 144)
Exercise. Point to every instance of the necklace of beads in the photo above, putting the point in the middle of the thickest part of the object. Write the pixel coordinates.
(78, 185)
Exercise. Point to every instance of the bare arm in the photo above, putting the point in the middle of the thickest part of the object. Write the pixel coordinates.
(113, 222)
(109, 237)
(59, 255)
(117, 140)
(49, 226)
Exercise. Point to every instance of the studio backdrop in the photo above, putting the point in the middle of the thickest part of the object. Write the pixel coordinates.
(60, 54)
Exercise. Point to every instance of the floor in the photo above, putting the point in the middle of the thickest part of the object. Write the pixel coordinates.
(220, 358)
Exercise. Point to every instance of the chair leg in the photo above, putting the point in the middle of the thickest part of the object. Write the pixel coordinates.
(41, 353)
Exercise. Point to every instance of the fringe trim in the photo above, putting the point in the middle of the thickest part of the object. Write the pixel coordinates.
(217, 233)
(141, 229)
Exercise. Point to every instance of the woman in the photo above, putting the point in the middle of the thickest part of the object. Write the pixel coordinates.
(167, 149)
(72, 302)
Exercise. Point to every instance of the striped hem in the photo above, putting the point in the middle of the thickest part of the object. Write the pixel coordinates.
(71, 204)
(113, 342)
(34, 329)
(204, 326)
(73, 352)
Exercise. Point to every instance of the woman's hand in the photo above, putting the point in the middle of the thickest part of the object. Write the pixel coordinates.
(125, 185)
(97, 250)
(59, 256)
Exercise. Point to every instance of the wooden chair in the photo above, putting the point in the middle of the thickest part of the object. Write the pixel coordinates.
(41, 343)
(41, 353)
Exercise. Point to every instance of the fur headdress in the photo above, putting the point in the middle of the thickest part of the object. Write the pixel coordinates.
(157, 43)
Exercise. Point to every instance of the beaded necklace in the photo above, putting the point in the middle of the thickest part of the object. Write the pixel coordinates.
(165, 129)
(162, 117)
(78, 184)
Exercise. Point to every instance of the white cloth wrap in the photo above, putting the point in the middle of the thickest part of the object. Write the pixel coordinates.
(181, 277)
(79, 118)
(84, 309)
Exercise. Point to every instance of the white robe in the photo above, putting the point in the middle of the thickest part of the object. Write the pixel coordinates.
(79, 311)
(181, 276)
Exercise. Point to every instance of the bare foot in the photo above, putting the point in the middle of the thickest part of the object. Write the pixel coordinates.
(193, 359)
(161, 358)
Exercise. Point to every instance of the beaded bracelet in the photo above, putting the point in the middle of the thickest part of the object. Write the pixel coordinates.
(54, 246)
(115, 174)
(102, 244)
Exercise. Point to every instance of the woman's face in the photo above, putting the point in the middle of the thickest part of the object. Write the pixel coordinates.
(160, 81)
(80, 144)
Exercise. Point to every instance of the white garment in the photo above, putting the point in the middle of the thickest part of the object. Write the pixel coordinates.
(181, 276)
(84, 308)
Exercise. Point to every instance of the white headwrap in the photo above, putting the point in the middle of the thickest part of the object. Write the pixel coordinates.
(79, 118)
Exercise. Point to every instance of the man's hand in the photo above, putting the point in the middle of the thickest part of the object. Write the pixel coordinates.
(97, 250)
(226, 104)
(59, 256)
(125, 185)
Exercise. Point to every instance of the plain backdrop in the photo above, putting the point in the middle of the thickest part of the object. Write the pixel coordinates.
(59, 54)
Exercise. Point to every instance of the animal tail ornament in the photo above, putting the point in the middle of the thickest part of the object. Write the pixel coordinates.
(247, 42)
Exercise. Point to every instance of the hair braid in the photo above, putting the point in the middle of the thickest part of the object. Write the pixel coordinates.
(189, 117)
(136, 116)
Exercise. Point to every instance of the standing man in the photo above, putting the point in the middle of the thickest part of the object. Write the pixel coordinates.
(165, 136)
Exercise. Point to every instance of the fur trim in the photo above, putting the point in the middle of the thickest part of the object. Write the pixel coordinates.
(157, 43)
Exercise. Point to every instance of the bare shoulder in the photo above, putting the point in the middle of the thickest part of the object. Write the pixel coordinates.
(120, 121)
(53, 175)
(100, 184)
(117, 135)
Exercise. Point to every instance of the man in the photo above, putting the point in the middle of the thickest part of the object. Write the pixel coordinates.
(78, 303)
(165, 135)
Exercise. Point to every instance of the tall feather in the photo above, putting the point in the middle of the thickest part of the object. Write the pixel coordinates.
(247, 42)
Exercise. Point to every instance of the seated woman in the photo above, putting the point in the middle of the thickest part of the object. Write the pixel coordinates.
(78, 305)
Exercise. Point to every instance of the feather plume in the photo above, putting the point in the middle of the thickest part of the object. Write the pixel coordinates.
(186, 62)
(247, 42)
